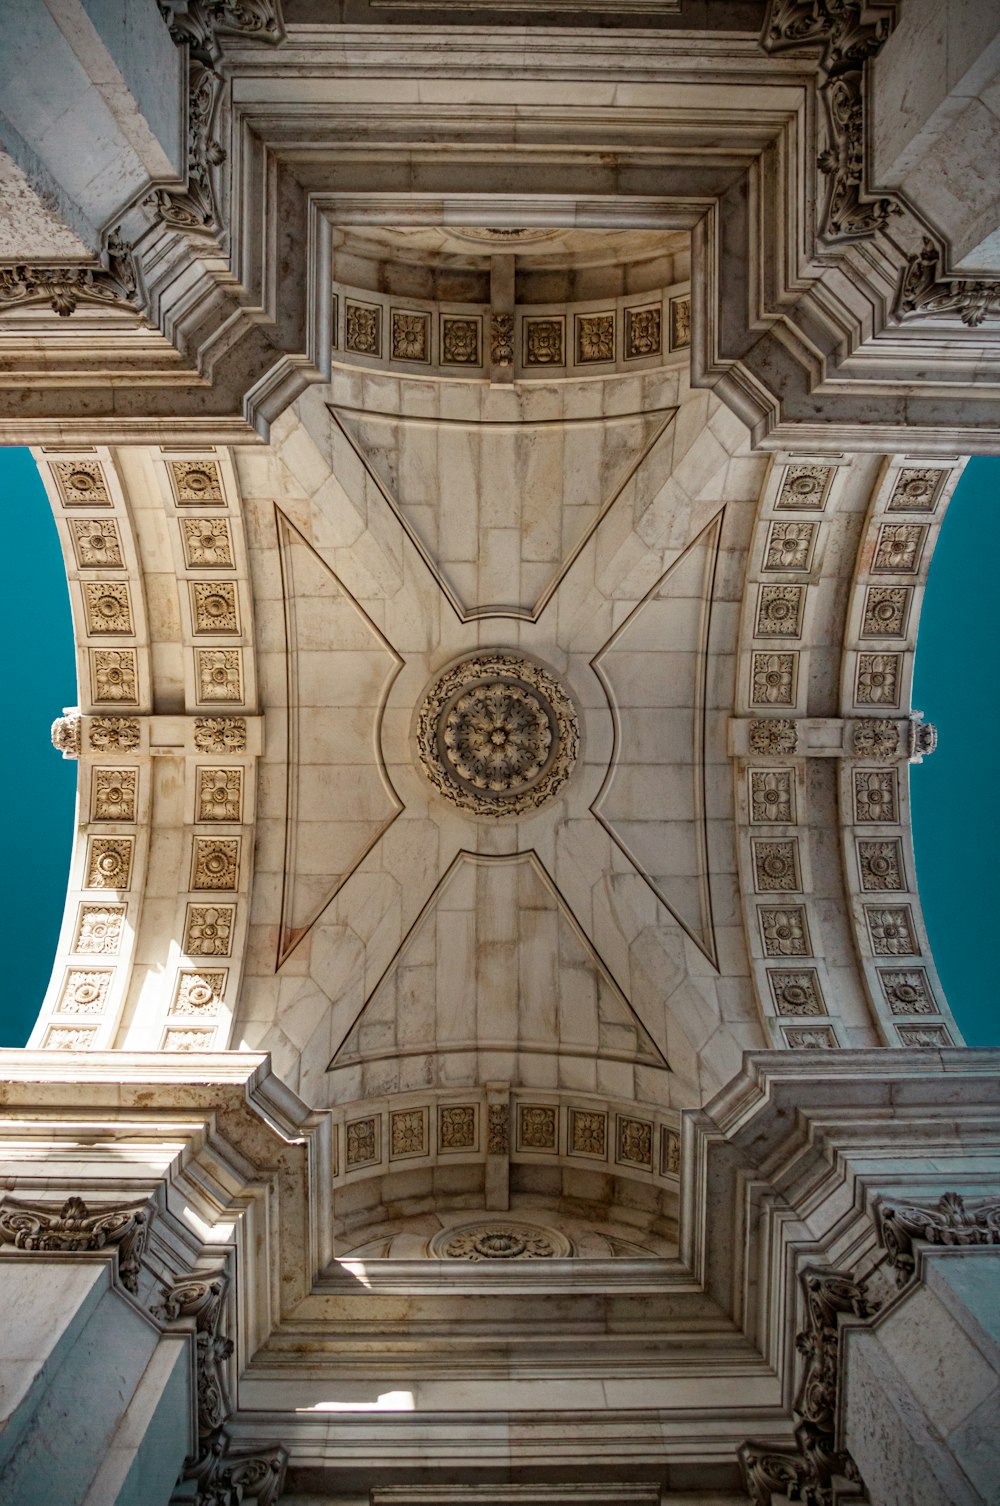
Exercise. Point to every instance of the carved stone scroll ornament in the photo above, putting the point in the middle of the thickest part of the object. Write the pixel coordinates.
(196, 209)
(951, 1222)
(222, 1475)
(203, 1299)
(65, 288)
(198, 26)
(812, 1468)
(75, 1226)
(227, 1476)
(924, 293)
(849, 37)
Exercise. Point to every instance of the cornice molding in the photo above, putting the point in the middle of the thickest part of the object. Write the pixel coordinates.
(777, 1170)
(818, 360)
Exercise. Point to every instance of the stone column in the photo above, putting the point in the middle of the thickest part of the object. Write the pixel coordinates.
(920, 1387)
(96, 1401)
(934, 123)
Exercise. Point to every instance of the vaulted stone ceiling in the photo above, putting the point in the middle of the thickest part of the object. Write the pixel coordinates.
(574, 527)
(580, 768)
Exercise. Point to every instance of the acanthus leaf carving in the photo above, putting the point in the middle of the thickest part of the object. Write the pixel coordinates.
(222, 1475)
(196, 209)
(198, 26)
(924, 292)
(227, 1476)
(951, 1222)
(498, 1130)
(74, 1226)
(809, 1470)
(203, 1299)
(850, 36)
(65, 288)
(502, 340)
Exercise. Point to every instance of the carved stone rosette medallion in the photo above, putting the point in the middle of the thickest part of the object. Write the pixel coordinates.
(497, 735)
(503, 1239)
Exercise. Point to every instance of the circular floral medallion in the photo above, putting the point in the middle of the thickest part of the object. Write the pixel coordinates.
(502, 1239)
(497, 735)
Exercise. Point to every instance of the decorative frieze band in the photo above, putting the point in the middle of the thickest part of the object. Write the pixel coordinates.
(495, 1122)
(116, 736)
(77, 736)
(632, 332)
(894, 552)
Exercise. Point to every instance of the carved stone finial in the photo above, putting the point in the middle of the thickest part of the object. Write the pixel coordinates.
(75, 1226)
(924, 293)
(806, 1470)
(951, 1222)
(66, 732)
(922, 738)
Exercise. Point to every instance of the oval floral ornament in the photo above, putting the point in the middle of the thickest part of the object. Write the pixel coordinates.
(497, 735)
(503, 1239)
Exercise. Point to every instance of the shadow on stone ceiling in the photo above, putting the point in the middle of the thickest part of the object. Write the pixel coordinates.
(657, 699)
(500, 508)
(496, 961)
(333, 715)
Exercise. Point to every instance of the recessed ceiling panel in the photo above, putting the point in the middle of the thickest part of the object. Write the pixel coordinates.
(500, 506)
(652, 801)
(340, 798)
(496, 961)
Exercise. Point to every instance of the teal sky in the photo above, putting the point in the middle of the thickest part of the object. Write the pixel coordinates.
(955, 800)
(41, 786)
(956, 807)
